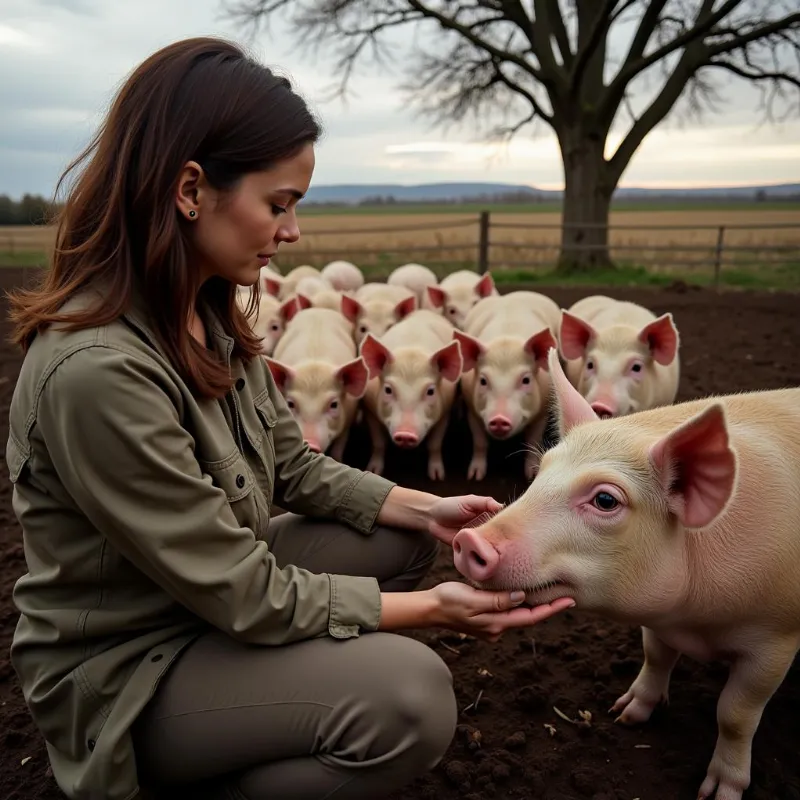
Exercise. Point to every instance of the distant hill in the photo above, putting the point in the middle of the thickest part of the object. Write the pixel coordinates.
(363, 193)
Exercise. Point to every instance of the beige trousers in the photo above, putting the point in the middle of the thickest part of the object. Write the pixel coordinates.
(323, 718)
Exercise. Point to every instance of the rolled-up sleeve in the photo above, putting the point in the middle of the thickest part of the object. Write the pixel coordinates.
(317, 485)
(111, 422)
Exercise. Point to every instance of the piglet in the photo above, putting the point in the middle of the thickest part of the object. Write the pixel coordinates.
(505, 384)
(683, 519)
(458, 292)
(343, 276)
(376, 307)
(269, 318)
(415, 277)
(619, 355)
(317, 369)
(414, 371)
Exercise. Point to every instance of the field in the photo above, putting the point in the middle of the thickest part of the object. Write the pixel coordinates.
(670, 242)
(508, 692)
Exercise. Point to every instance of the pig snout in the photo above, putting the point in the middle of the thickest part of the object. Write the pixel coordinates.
(603, 410)
(405, 439)
(474, 557)
(499, 425)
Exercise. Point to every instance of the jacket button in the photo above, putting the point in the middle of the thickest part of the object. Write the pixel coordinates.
(240, 384)
(90, 744)
(240, 481)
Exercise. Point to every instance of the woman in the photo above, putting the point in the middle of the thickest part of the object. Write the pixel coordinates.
(171, 633)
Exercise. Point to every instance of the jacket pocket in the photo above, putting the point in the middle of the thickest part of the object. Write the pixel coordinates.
(232, 474)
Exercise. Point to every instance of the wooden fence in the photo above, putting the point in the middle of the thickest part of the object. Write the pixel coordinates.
(486, 243)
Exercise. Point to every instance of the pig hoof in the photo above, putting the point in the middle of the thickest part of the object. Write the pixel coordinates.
(725, 790)
(375, 465)
(635, 709)
(436, 470)
(477, 469)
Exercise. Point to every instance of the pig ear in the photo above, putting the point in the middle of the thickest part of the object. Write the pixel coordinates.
(437, 296)
(405, 307)
(485, 286)
(272, 286)
(571, 407)
(448, 361)
(575, 335)
(697, 467)
(539, 345)
(353, 376)
(351, 308)
(375, 355)
(289, 309)
(471, 350)
(280, 373)
(661, 336)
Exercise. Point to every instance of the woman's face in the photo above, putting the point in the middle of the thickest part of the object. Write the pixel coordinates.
(235, 233)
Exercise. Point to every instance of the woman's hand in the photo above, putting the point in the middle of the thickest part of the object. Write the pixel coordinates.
(488, 615)
(450, 514)
(459, 607)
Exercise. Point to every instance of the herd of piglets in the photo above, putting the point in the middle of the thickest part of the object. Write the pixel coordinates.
(681, 518)
(433, 348)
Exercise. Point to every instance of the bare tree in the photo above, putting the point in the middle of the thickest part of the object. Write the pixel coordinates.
(576, 65)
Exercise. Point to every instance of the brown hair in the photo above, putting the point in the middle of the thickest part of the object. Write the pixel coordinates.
(202, 99)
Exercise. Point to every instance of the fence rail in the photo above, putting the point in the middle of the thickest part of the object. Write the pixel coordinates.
(450, 240)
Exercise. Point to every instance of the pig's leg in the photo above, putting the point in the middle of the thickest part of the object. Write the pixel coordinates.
(651, 686)
(752, 681)
(378, 438)
(480, 447)
(339, 444)
(435, 440)
(534, 434)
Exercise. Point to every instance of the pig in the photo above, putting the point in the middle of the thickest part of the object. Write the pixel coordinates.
(292, 278)
(417, 278)
(319, 372)
(619, 355)
(458, 292)
(311, 285)
(506, 385)
(682, 519)
(270, 317)
(271, 281)
(414, 371)
(376, 307)
(343, 276)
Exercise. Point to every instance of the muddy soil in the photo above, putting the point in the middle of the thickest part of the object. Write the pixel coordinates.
(511, 742)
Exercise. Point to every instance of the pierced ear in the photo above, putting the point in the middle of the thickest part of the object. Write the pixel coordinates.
(376, 356)
(485, 286)
(571, 407)
(437, 296)
(661, 336)
(574, 335)
(539, 345)
(697, 467)
(447, 360)
(471, 350)
(187, 196)
(353, 377)
(281, 373)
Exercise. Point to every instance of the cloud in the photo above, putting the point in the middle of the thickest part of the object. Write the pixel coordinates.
(63, 60)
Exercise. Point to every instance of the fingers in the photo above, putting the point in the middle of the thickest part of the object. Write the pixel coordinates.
(522, 617)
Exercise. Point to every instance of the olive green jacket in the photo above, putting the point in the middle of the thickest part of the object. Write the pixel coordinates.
(143, 511)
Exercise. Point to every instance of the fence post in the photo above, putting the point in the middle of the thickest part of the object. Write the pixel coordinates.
(718, 256)
(483, 242)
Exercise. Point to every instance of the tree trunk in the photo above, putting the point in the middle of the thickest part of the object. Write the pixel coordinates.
(587, 202)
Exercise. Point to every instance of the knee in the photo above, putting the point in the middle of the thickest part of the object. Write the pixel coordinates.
(419, 704)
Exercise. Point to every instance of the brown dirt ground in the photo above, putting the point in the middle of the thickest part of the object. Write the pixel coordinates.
(731, 342)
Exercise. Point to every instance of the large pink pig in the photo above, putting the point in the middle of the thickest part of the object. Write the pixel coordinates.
(683, 519)
(414, 371)
(619, 355)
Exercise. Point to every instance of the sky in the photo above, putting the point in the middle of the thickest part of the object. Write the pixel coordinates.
(61, 61)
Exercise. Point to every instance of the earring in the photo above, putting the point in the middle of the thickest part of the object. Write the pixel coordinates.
(192, 214)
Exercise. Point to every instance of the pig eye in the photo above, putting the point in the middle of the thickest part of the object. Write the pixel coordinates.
(431, 391)
(483, 381)
(275, 326)
(387, 389)
(363, 329)
(526, 379)
(590, 364)
(334, 405)
(290, 403)
(636, 368)
(451, 311)
(605, 501)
